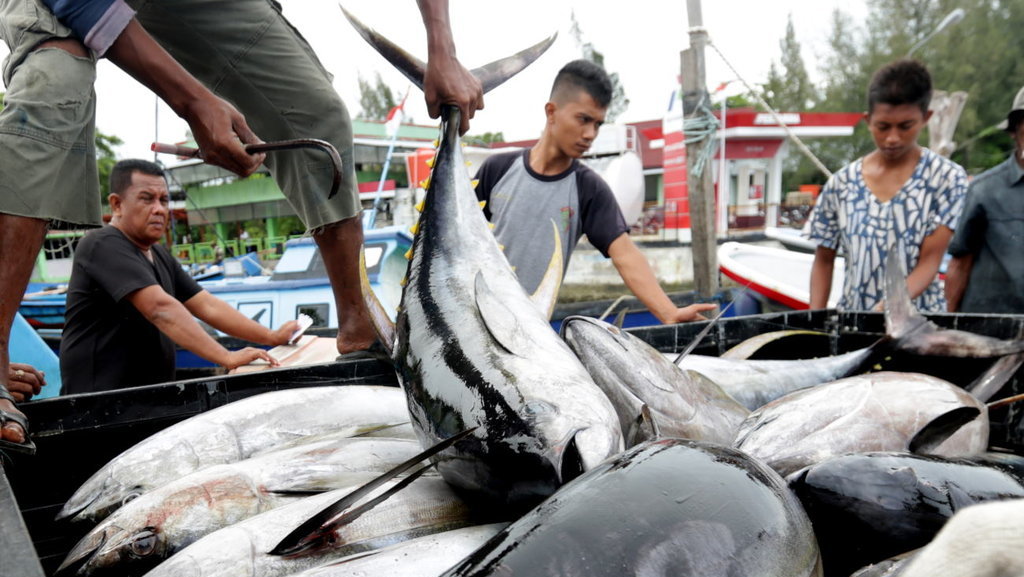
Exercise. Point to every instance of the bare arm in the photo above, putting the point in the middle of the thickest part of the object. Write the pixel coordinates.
(446, 81)
(223, 317)
(957, 274)
(175, 321)
(932, 248)
(821, 277)
(219, 129)
(637, 274)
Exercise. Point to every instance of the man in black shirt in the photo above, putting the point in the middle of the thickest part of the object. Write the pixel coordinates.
(129, 301)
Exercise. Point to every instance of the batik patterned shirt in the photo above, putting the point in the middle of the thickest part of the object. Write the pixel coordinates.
(850, 219)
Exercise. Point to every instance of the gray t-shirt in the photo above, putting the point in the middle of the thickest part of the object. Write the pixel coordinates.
(992, 229)
(522, 204)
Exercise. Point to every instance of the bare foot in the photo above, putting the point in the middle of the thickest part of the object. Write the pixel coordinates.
(11, 431)
(355, 335)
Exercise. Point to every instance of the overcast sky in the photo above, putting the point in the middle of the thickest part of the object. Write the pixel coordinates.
(640, 39)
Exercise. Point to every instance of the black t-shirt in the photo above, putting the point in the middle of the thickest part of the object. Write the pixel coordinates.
(107, 343)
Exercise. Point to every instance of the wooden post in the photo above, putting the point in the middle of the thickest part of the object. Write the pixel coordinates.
(700, 188)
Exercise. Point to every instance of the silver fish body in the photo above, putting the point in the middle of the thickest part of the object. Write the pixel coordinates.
(643, 385)
(873, 412)
(231, 433)
(754, 383)
(424, 507)
(165, 520)
(473, 351)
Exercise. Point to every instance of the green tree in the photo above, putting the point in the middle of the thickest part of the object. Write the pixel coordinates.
(619, 102)
(105, 160)
(375, 100)
(484, 139)
(790, 88)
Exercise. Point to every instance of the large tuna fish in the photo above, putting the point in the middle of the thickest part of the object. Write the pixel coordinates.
(424, 507)
(474, 352)
(755, 383)
(868, 507)
(653, 397)
(165, 520)
(231, 433)
(667, 507)
(874, 412)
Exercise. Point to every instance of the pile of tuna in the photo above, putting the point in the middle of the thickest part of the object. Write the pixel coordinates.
(511, 450)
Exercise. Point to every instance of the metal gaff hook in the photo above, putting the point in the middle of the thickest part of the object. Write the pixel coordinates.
(189, 152)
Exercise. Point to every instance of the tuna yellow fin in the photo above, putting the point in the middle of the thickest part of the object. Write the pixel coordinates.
(546, 294)
(379, 318)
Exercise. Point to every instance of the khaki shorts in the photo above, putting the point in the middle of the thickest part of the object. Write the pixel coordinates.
(250, 55)
(47, 151)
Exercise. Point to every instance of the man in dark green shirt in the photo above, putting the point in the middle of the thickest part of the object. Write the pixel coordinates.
(986, 273)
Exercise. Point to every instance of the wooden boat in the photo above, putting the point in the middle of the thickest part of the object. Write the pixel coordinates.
(781, 276)
(77, 434)
(297, 285)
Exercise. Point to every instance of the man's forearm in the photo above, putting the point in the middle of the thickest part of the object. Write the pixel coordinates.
(821, 277)
(175, 321)
(138, 54)
(223, 317)
(638, 276)
(957, 273)
(933, 247)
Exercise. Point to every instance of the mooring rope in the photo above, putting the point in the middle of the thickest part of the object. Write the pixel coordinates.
(778, 119)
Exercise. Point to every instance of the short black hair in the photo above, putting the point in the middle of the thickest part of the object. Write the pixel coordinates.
(585, 75)
(904, 81)
(121, 174)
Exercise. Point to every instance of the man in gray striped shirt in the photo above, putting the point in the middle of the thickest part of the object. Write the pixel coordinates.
(525, 190)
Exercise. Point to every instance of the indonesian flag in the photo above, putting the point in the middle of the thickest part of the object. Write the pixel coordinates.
(395, 117)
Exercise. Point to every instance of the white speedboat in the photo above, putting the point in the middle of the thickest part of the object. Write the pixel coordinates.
(782, 276)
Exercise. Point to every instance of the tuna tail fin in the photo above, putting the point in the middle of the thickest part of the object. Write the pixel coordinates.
(901, 318)
(941, 428)
(379, 318)
(490, 75)
(546, 294)
(317, 529)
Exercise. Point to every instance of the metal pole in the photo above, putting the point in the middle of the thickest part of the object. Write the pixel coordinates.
(700, 188)
(722, 222)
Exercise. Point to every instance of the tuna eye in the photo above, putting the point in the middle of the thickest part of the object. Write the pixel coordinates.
(539, 408)
(144, 543)
(131, 496)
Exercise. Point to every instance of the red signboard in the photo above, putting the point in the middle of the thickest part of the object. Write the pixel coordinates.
(677, 199)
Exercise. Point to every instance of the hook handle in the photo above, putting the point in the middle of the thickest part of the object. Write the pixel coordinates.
(190, 152)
